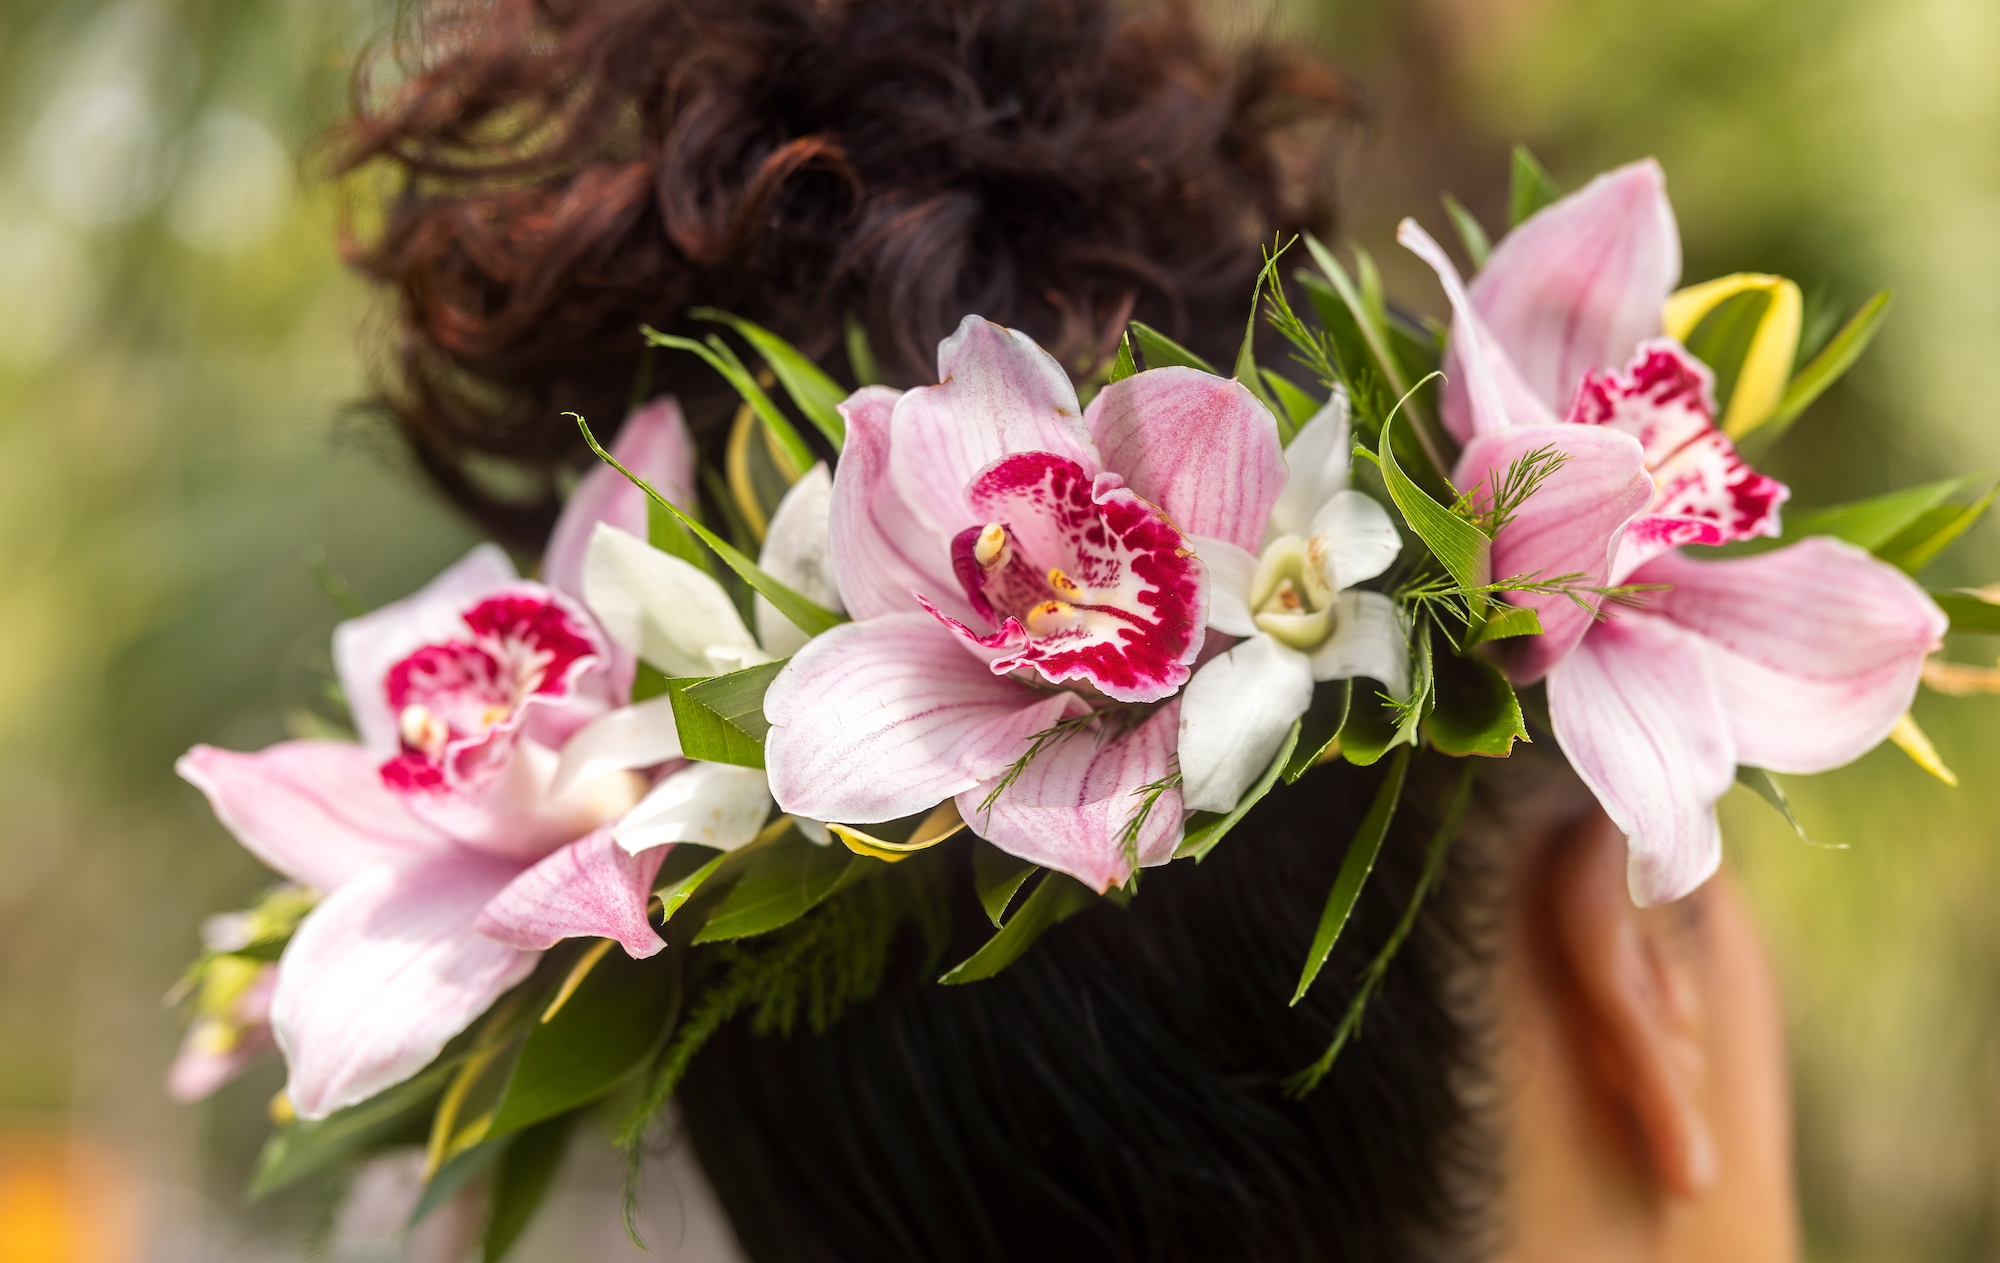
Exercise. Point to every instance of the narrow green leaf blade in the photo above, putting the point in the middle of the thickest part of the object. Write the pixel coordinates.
(1205, 828)
(1968, 611)
(527, 1170)
(677, 892)
(1918, 545)
(1124, 365)
(818, 396)
(1296, 405)
(808, 617)
(782, 884)
(705, 734)
(299, 1149)
(1766, 787)
(1874, 522)
(1161, 351)
(1319, 727)
(1459, 546)
(665, 532)
(998, 876)
(1057, 897)
(1471, 234)
(455, 1175)
(737, 698)
(717, 355)
(1826, 368)
(860, 356)
(1533, 188)
(1506, 622)
(607, 1032)
(1476, 711)
(1354, 870)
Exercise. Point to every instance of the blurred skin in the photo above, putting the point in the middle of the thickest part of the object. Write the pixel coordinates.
(1641, 1067)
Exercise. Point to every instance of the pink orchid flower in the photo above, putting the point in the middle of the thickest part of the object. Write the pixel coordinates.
(1797, 660)
(1011, 561)
(472, 826)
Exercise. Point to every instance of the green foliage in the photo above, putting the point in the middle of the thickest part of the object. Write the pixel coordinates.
(527, 1171)
(454, 1175)
(1722, 339)
(603, 1035)
(1124, 365)
(780, 884)
(1506, 622)
(723, 359)
(1878, 523)
(1371, 727)
(1766, 787)
(860, 356)
(300, 1148)
(665, 532)
(1056, 897)
(1319, 727)
(675, 891)
(1206, 828)
(997, 877)
(721, 717)
(1968, 611)
(1475, 710)
(1378, 969)
(808, 617)
(818, 396)
(1354, 870)
(1533, 187)
(1916, 545)
(1295, 406)
(1361, 310)
(1471, 234)
(1460, 547)
(1161, 351)
(1246, 370)
(1810, 382)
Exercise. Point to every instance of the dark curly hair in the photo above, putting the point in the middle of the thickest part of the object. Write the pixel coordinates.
(561, 171)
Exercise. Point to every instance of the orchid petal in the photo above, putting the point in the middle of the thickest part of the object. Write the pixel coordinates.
(1072, 807)
(641, 735)
(1317, 463)
(1580, 284)
(588, 889)
(1568, 527)
(1368, 640)
(384, 972)
(654, 443)
(1235, 713)
(1352, 540)
(711, 804)
(887, 717)
(664, 609)
(998, 394)
(1484, 392)
(1637, 712)
(1817, 648)
(881, 554)
(365, 648)
(1201, 447)
(1231, 570)
(796, 554)
(315, 811)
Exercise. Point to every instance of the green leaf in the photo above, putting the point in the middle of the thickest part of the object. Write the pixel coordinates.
(455, 1175)
(1766, 787)
(1295, 405)
(1918, 544)
(1478, 246)
(301, 1148)
(1875, 522)
(1124, 366)
(723, 359)
(1246, 370)
(860, 356)
(1161, 351)
(665, 532)
(1206, 828)
(1369, 731)
(648, 682)
(1722, 339)
(1826, 368)
(1422, 686)
(818, 396)
(605, 1033)
(1056, 897)
(997, 876)
(1373, 335)
(1460, 547)
(1533, 188)
(1319, 727)
(680, 889)
(1507, 621)
(721, 718)
(1968, 611)
(804, 614)
(527, 1170)
(781, 884)
(1354, 870)
(1476, 711)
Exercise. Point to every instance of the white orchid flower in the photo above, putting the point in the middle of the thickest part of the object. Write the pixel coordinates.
(1300, 620)
(675, 616)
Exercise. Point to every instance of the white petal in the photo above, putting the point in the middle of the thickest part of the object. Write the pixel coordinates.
(796, 554)
(1234, 716)
(1352, 539)
(1230, 571)
(660, 607)
(710, 804)
(1369, 640)
(631, 736)
(1318, 457)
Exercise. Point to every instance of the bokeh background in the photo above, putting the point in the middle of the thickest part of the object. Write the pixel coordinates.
(185, 472)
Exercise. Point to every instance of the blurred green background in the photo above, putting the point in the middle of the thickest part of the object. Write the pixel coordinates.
(181, 360)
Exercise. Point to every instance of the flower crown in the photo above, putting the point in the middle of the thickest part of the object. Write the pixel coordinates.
(1090, 622)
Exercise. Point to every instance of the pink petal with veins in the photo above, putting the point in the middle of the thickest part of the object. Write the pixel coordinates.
(315, 811)
(1199, 446)
(1817, 648)
(1071, 809)
(881, 554)
(588, 889)
(888, 717)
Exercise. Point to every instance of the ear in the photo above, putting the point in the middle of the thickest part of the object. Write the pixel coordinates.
(1638, 1003)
